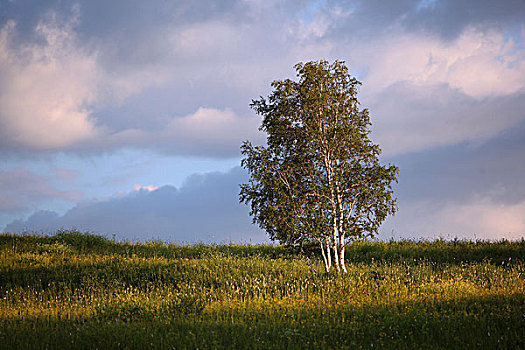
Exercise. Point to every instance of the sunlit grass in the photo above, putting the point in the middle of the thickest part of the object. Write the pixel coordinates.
(83, 291)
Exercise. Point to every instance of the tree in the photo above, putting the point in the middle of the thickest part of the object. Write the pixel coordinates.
(319, 177)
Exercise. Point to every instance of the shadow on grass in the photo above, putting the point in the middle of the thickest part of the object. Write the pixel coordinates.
(492, 322)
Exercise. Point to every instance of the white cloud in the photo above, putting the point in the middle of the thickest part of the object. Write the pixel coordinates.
(212, 125)
(52, 87)
(46, 90)
(148, 188)
(424, 92)
(207, 132)
(479, 62)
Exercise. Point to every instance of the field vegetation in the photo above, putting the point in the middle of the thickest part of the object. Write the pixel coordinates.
(76, 290)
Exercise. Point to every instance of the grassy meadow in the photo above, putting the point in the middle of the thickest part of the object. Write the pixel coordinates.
(81, 291)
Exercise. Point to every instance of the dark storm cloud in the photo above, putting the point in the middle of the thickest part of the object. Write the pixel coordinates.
(205, 208)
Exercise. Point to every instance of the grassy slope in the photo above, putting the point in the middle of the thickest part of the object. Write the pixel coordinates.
(82, 291)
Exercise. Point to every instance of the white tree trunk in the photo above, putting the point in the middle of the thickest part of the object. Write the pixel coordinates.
(336, 253)
(328, 255)
(342, 257)
(326, 259)
(340, 229)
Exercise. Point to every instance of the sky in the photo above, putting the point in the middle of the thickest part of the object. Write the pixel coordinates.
(124, 118)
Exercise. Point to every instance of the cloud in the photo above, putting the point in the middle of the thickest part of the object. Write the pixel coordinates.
(64, 174)
(205, 208)
(46, 90)
(181, 81)
(445, 19)
(424, 92)
(43, 220)
(149, 188)
(482, 218)
(212, 130)
(468, 191)
(479, 63)
(59, 95)
(410, 118)
(444, 82)
(449, 18)
(206, 40)
(23, 189)
(206, 132)
(177, 79)
(465, 172)
(483, 215)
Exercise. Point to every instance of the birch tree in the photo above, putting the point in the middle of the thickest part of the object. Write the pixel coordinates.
(319, 177)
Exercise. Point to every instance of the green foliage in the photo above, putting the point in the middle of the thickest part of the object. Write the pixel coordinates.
(319, 177)
(399, 295)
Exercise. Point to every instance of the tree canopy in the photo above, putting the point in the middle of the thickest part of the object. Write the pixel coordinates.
(319, 177)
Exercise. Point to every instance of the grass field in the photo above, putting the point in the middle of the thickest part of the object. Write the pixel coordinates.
(74, 290)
